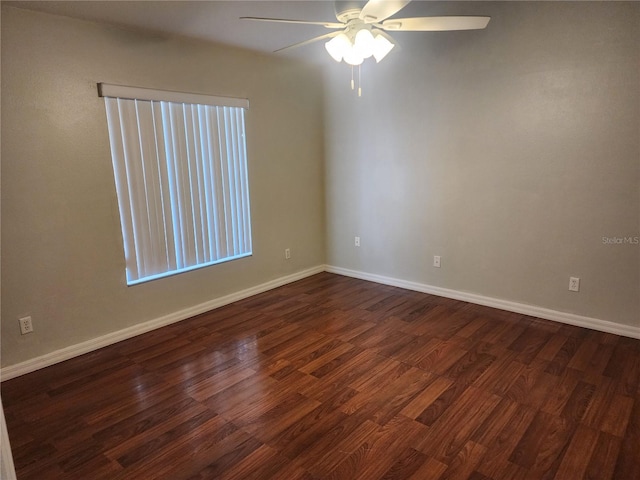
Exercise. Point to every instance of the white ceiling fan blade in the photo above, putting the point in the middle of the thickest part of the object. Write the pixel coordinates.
(311, 40)
(435, 24)
(303, 22)
(376, 11)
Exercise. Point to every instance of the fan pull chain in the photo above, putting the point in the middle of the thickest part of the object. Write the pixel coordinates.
(353, 82)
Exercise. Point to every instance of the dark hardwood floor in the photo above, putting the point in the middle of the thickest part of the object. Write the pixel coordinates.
(332, 377)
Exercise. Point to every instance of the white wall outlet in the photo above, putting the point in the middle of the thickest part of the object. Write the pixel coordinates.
(436, 261)
(287, 253)
(357, 241)
(25, 325)
(574, 284)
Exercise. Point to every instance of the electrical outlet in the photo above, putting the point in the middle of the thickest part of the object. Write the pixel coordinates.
(574, 284)
(25, 325)
(287, 253)
(436, 261)
(357, 241)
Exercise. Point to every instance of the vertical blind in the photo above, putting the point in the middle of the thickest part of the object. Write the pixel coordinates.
(182, 185)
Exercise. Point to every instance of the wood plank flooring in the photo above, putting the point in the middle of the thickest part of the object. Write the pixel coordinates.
(337, 378)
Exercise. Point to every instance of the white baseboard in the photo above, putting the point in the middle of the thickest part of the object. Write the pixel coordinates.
(61, 355)
(531, 310)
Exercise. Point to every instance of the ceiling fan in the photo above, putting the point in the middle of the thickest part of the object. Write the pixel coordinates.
(361, 30)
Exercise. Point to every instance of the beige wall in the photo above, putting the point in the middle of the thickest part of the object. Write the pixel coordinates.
(62, 258)
(509, 152)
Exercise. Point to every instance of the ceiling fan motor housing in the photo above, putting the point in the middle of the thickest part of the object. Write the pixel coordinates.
(348, 10)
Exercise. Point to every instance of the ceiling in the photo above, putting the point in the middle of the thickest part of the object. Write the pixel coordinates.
(218, 21)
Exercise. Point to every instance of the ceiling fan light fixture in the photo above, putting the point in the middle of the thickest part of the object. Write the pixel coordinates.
(381, 47)
(338, 46)
(364, 43)
(353, 57)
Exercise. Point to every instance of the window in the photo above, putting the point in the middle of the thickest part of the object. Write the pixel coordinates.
(180, 165)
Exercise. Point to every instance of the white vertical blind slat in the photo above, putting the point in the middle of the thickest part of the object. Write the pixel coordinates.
(206, 191)
(216, 185)
(229, 181)
(195, 170)
(135, 181)
(165, 193)
(238, 170)
(233, 170)
(225, 216)
(149, 163)
(182, 180)
(202, 200)
(173, 236)
(189, 186)
(174, 182)
(122, 190)
(245, 224)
